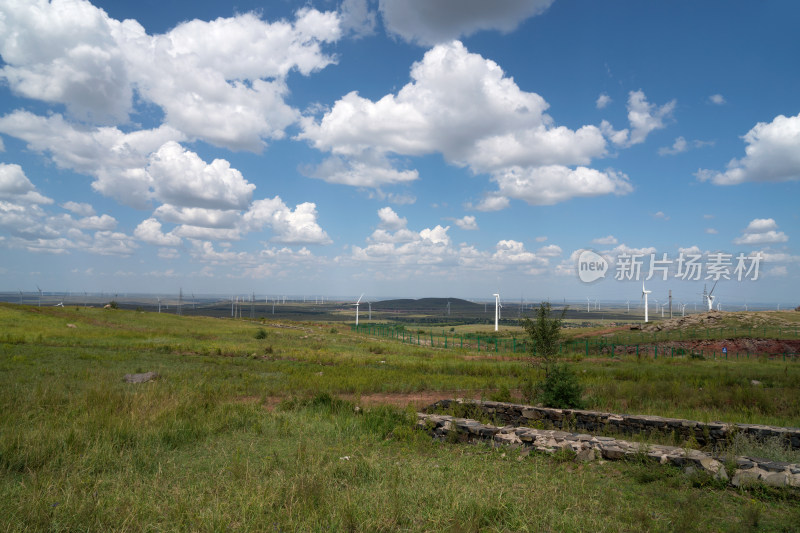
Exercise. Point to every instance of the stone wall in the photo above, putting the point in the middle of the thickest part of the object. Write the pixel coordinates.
(710, 434)
(587, 447)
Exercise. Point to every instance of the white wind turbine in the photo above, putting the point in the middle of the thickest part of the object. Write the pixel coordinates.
(588, 303)
(644, 296)
(496, 310)
(710, 298)
(357, 304)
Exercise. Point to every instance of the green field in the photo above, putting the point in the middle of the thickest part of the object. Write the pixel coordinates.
(245, 430)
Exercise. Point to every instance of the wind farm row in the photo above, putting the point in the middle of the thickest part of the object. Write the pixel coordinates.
(494, 310)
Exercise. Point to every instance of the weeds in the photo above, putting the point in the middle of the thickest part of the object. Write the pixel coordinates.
(82, 450)
(773, 449)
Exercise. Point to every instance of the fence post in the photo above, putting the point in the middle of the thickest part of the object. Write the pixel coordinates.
(587, 347)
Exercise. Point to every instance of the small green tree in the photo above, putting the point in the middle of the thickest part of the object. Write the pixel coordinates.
(560, 386)
(544, 334)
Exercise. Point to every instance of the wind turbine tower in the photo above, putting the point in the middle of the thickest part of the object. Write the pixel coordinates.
(496, 311)
(710, 297)
(357, 304)
(670, 303)
(644, 296)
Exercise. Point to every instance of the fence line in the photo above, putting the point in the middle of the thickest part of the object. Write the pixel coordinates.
(612, 346)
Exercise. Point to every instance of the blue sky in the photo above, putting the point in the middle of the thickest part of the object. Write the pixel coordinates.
(397, 148)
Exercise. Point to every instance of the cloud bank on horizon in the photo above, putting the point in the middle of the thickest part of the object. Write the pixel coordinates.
(378, 143)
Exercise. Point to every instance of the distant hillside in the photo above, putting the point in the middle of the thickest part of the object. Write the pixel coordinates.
(438, 305)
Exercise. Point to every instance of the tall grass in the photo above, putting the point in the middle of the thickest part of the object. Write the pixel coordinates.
(200, 449)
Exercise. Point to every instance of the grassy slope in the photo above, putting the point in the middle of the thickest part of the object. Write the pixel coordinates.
(81, 449)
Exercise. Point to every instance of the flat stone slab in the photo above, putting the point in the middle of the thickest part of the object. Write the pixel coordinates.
(140, 378)
(581, 420)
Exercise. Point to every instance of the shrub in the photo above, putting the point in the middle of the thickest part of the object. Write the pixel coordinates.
(501, 395)
(261, 333)
(560, 388)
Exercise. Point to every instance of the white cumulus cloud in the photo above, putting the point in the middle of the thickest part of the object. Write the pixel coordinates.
(15, 186)
(458, 104)
(608, 240)
(467, 222)
(772, 154)
(222, 81)
(149, 231)
(602, 101)
(291, 226)
(182, 178)
(79, 208)
(761, 231)
(64, 52)
(391, 220)
(549, 185)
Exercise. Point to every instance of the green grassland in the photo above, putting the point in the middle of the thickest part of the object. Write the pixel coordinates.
(244, 431)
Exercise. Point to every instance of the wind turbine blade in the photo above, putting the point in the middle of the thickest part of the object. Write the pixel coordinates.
(712, 288)
(359, 298)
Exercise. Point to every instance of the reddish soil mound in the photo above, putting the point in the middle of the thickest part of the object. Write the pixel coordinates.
(742, 347)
